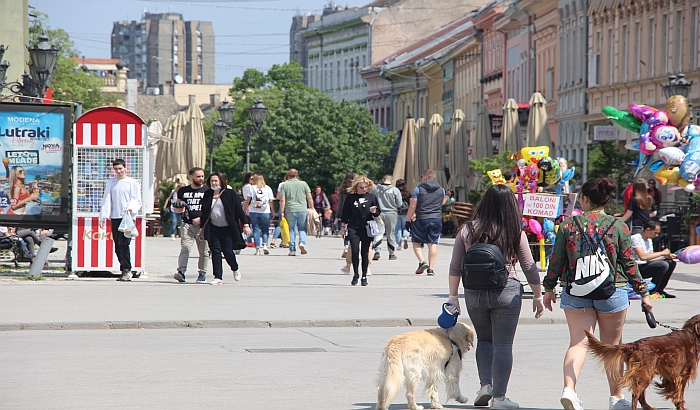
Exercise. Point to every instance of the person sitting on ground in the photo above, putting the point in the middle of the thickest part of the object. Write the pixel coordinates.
(658, 266)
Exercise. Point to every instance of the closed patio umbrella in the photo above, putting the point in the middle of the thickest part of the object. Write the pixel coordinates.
(483, 139)
(405, 158)
(537, 128)
(459, 156)
(437, 149)
(195, 148)
(422, 147)
(511, 138)
(163, 153)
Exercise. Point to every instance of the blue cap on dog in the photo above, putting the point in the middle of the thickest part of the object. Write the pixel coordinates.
(447, 320)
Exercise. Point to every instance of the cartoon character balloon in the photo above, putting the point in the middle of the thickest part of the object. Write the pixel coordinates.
(496, 177)
(689, 254)
(533, 155)
(678, 111)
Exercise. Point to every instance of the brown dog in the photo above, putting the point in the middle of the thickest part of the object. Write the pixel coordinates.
(673, 357)
(424, 353)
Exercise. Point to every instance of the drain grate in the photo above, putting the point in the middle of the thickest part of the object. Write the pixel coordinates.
(288, 350)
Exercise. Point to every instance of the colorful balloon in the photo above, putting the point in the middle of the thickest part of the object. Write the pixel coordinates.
(622, 118)
(672, 155)
(689, 254)
(665, 136)
(678, 111)
(532, 155)
(496, 177)
(642, 112)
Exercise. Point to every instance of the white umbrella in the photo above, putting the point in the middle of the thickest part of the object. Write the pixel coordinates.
(163, 153)
(437, 149)
(194, 140)
(483, 139)
(537, 128)
(511, 138)
(422, 147)
(405, 158)
(459, 156)
(156, 128)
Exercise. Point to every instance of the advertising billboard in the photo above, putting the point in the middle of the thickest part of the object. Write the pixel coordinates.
(35, 147)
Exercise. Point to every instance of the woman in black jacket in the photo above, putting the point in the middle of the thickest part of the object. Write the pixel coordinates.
(360, 207)
(222, 213)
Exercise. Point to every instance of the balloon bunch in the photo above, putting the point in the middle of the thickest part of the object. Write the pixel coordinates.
(549, 171)
(533, 226)
(668, 133)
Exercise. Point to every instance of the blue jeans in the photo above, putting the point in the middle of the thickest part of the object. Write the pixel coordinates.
(296, 220)
(400, 229)
(261, 222)
(175, 220)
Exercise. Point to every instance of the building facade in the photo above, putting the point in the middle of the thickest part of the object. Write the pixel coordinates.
(493, 46)
(298, 51)
(14, 35)
(572, 81)
(162, 48)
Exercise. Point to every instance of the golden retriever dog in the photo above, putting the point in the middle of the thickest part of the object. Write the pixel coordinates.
(429, 354)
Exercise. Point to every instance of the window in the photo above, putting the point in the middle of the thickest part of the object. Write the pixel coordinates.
(330, 82)
(549, 94)
(664, 42)
(337, 74)
(637, 50)
(610, 56)
(679, 41)
(624, 56)
(345, 73)
(651, 50)
(325, 77)
(694, 38)
(594, 77)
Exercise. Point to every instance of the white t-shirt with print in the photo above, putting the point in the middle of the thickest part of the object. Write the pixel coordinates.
(639, 242)
(266, 195)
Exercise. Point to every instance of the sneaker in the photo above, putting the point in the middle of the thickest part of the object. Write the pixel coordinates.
(126, 276)
(265, 250)
(504, 404)
(483, 396)
(180, 277)
(292, 253)
(619, 404)
(354, 280)
(55, 249)
(421, 268)
(236, 275)
(345, 270)
(405, 243)
(392, 257)
(202, 278)
(369, 272)
(272, 245)
(172, 238)
(667, 295)
(216, 281)
(257, 252)
(363, 281)
(376, 256)
(136, 275)
(302, 248)
(431, 272)
(570, 400)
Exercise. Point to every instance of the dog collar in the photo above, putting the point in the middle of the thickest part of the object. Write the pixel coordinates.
(455, 349)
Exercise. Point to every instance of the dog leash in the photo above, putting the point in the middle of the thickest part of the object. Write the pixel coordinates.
(651, 320)
(455, 348)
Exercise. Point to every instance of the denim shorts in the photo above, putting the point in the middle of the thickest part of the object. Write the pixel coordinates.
(426, 230)
(616, 303)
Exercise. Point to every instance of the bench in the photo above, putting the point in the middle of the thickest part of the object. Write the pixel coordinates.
(461, 212)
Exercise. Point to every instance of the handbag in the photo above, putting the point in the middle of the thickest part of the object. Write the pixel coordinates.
(372, 228)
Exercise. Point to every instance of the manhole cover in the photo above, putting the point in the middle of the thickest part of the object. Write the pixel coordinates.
(288, 350)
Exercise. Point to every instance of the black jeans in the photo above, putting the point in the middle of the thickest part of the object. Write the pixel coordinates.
(221, 241)
(121, 246)
(659, 271)
(357, 237)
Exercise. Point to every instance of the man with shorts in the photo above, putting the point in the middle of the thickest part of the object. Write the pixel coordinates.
(192, 196)
(425, 213)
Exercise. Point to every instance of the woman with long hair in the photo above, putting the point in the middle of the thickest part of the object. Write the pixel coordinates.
(259, 207)
(582, 314)
(175, 218)
(400, 230)
(321, 205)
(19, 195)
(222, 213)
(344, 186)
(360, 207)
(640, 208)
(495, 312)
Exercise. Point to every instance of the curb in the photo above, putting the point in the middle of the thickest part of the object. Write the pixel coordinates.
(280, 324)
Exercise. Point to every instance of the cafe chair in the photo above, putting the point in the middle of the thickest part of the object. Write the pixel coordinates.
(674, 234)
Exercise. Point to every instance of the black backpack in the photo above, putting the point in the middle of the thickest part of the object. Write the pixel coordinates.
(483, 266)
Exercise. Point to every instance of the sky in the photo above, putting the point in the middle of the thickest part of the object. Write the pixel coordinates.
(249, 34)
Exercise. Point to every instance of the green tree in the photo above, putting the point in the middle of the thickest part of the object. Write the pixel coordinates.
(286, 76)
(252, 80)
(608, 160)
(69, 83)
(481, 166)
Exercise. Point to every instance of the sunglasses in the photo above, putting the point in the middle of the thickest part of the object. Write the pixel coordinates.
(364, 186)
(22, 171)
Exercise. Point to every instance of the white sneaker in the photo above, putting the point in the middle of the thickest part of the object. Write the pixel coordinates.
(172, 238)
(237, 275)
(483, 396)
(345, 270)
(504, 404)
(619, 404)
(217, 281)
(265, 250)
(570, 400)
(302, 248)
(257, 252)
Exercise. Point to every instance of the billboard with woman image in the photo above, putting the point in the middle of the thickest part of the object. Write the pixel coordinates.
(35, 152)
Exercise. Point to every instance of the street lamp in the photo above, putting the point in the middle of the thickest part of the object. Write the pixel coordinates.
(43, 57)
(220, 129)
(257, 113)
(678, 85)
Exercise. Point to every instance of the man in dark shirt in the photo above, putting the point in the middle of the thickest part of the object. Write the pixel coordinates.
(425, 212)
(191, 220)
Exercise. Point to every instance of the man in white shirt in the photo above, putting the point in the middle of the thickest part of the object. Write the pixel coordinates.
(655, 265)
(122, 195)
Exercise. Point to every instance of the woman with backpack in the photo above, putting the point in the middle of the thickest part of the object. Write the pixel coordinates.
(598, 243)
(260, 211)
(494, 310)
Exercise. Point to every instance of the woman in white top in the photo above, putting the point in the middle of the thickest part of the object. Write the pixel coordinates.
(259, 208)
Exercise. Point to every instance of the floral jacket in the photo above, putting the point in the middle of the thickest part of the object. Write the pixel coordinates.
(617, 244)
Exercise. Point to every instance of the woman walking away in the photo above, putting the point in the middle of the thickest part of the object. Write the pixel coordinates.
(640, 207)
(175, 218)
(222, 212)
(260, 212)
(321, 204)
(495, 311)
(596, 231)
(400, 231)
(344, 186)
(359, 208)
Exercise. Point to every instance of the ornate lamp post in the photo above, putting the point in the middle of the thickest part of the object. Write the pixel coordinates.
(220, 130)
(43, 62)
(678, 85)
(258, 113)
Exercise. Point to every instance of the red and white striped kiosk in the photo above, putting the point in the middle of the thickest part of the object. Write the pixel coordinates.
(100, 136)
